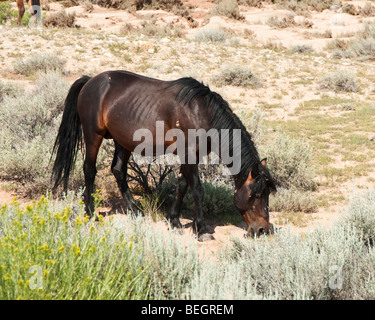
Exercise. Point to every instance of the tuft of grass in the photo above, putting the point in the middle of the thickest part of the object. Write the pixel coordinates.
(237, 76)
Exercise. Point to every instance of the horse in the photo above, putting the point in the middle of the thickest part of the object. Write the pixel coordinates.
(21, 8)
(115, 104)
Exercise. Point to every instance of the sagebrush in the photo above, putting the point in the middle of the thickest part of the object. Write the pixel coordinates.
(131, 258)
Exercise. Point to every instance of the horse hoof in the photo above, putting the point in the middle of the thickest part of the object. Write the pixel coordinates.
(205, 237)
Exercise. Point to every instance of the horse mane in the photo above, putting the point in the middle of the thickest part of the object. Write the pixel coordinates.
(221, 117)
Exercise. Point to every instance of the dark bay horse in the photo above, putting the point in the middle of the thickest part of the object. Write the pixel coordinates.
(115, 104)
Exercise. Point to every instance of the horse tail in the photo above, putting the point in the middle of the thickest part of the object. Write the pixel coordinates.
(69, 137)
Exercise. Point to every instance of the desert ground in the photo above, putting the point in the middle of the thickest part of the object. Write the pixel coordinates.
(338, 125)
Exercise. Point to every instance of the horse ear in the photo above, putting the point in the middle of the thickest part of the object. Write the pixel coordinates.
(264, 162)
(254, 171)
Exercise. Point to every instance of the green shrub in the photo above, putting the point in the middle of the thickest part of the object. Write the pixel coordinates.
(339, 81)
(60, 255)
(237, 76)
(6, 12)
(217, 203)
(39, 62)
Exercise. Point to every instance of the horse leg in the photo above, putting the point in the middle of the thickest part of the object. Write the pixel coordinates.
(89, 168)
(174, 214)
(21, 10)
(119, 169)
(192, 177)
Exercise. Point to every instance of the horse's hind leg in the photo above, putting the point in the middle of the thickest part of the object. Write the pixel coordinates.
(174, 214)
(89, 168)
(119, 169)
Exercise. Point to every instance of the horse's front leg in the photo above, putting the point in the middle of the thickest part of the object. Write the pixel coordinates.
(192, 176)
(174, 214)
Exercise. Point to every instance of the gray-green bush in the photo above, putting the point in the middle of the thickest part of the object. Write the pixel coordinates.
(43, 62)
(360, 214)
(237, 76)
(211, 35)
(29, 126)
(362, 46)
(8, 89)
(290, 161)
(339, 81)
(293, 200)
(79, 258)
(302, 48)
